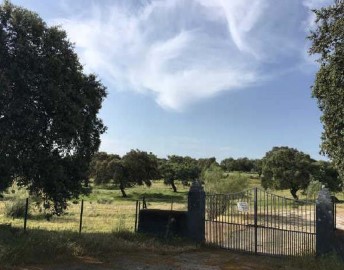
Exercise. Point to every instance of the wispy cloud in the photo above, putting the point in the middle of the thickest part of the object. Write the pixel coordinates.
(184, 51)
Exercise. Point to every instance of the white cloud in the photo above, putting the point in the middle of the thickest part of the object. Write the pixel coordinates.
(184, 51)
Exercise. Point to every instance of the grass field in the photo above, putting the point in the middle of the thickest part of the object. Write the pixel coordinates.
(107, 232)
(105, 210)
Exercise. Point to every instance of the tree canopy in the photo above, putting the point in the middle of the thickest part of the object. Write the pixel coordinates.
(49, 129)
(142, 166)
(240, 164)
(185, 169)
(135, 167)
(328, 43)
(286, 168)
(325, 173)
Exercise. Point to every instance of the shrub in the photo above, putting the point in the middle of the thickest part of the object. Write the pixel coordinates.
(15, 208)
(217, 182)
(313, 189)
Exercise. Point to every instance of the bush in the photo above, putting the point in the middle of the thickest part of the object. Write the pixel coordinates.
(15, 208)
(313, 189)
(217, 182)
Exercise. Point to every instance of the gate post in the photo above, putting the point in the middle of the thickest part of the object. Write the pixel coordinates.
(324, 222)
(196, 212)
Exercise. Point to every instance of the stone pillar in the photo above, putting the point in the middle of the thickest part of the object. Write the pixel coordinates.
(324, 223)
(196, 212)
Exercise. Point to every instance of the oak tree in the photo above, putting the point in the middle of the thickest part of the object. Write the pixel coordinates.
(49, 129)
(286, 168)
(328, 43)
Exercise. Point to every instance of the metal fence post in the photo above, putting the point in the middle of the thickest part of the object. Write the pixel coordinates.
(26, 212)
(144, 203)
(137, 205)
(81, 213)
(255, 221)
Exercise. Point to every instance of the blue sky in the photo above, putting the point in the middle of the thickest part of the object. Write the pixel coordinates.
(198, 77)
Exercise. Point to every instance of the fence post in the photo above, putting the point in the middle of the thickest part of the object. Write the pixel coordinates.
(196, 212)
(81, 213)
(324, 223)
(255, 221)
(137, 205)
(26, 212)
(144, 203)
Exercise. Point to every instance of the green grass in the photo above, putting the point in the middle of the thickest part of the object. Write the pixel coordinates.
(42, 246)
(104, 209)
(108, 225)
(49, 248)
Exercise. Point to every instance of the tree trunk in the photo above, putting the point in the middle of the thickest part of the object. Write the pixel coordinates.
(173, 186)
(293, 193)
(121, 187)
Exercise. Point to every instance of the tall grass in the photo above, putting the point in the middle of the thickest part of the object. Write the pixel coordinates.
(105, 210)
(41, 246)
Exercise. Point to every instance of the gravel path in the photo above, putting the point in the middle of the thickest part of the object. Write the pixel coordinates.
(200, 260)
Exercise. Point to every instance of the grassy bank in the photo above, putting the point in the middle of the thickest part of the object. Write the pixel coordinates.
(41, 246)
(41, 249)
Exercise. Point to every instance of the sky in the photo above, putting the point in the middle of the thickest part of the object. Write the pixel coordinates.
(203, 78)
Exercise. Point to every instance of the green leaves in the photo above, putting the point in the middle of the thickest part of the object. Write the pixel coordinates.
(328, 41)
(49, 128)
(285, 167)
(185, 169)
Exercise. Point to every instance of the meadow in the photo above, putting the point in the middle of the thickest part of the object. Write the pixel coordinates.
(108, 234)
(105, 210)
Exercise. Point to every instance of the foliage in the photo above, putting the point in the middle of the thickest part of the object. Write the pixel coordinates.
(325, 173)
(185, 169)
(15, 203)
(240, 165)
(205, 163)
(286, 168)
(313, 189)
(142, 166)
(15, 208)
(216, 181)
(328, 42)
(49, 128)
(136, 167)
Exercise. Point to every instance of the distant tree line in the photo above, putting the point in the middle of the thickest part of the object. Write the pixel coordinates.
(280, 168)
(140, 168)
(241, 165)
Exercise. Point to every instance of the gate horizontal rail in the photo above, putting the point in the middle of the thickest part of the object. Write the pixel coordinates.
(260, 222)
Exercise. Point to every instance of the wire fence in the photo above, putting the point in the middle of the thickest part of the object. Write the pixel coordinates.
(84, 216)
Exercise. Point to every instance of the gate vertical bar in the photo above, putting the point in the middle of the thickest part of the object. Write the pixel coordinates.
(255, 221)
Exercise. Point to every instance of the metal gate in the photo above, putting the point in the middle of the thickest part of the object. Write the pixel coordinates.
(259, 222)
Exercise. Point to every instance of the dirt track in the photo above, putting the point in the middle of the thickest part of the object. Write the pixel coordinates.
(212, 259)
